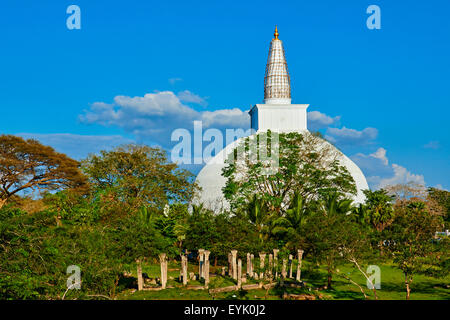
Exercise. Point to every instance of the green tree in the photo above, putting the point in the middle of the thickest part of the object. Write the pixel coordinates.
(290, 225)
(258, 214)
(133, 176)
(326, 232)
(379, 211)
(442, 197)
(410, 239)
(306, 164)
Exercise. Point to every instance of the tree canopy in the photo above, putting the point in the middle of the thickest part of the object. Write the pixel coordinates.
(306, 164)
(133, 176)
(27, 164)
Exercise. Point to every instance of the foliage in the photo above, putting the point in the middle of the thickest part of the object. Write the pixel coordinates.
(327, 231)
(291, 225)
(136, 207)
(306, 164)
(134, 176)
(442, 197)
(28, 165)
(410, 239)
(378, 211)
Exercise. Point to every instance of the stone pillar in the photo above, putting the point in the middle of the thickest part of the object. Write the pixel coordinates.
(200, 262)
(252, 258)
(206, 267)
(290, 266)
(184, 268)
(233, 263)
(163, 262)
(223, 271)
(139, 275)
(269, 272)
(248, 263)
(275, 261)
(262, 257)
(299, 264)
(239, 273)
(283, 269)
(230, 266)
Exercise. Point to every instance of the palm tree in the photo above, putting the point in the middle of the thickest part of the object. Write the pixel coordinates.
(291, 223)
(332, 206)
(197, 210)
(333, 209)
(146, 216)
(258, 214)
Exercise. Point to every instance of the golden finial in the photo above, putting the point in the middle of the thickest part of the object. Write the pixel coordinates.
(276, 34)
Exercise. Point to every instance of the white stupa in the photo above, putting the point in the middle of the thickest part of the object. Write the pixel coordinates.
(278, 115)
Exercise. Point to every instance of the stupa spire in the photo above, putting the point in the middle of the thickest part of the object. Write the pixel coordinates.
(277, 83)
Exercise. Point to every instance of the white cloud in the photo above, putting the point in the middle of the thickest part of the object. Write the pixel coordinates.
(380, 173)
(77, 146)
(318, 120)
(401, 176)
(154, 116)
(351, 137)
(432, 145)
(187, 96)
(380, 154)
(227, 118)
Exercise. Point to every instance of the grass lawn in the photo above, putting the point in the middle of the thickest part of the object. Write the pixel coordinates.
(392, 285)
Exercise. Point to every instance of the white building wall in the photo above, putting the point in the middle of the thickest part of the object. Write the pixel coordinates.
(279, 117)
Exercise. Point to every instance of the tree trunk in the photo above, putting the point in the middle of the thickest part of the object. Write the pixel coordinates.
(215, 261)
(408, 291)
(408, 288)
(330, 274)
(139, 276)
(329, 279)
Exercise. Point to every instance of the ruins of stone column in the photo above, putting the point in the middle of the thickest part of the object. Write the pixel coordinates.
(299, 264)
(270, 265)
(184, 268)
(262, 257)
(233, 263)
(283, 269)
(230, 266)
(163, 262)
(252, 258)
(290, 266)
(223, 271)
(275, 261)
(206, 267)
(248, 263)
(139, 275)
(239, 273)
(200, 262)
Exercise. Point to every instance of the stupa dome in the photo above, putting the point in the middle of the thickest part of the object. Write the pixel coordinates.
(278, 115)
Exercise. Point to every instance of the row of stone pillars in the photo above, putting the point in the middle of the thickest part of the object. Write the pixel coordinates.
(235, 269)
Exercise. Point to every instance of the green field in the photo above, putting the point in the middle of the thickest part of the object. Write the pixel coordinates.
(392, 286)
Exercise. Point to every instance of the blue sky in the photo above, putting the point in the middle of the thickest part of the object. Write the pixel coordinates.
(138, 69)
